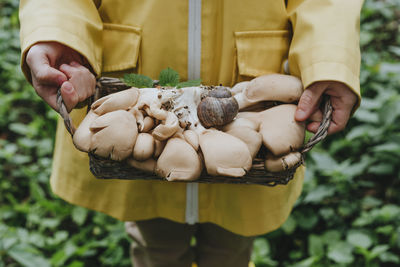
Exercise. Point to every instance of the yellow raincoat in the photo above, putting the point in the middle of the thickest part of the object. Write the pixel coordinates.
(238, 40)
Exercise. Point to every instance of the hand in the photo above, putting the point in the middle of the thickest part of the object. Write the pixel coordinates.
(342, 99)
(52, 67)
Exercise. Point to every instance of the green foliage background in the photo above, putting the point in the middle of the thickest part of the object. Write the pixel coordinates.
(348, 214)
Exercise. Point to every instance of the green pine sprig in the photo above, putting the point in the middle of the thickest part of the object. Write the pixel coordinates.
(169, 77)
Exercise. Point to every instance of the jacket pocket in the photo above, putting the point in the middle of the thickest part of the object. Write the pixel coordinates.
(260, 52)
(121, 44)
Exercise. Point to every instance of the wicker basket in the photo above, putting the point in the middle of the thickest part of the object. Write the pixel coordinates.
(104, 168)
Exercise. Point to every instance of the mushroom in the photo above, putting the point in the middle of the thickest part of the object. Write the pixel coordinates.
(240, 123)
(270, 87)
(122, 100)
(148, 124)
(144, 147)
(239, 87)
(250, 137)
(280, 131)
(83, 135)
(169, 127)
(179, 161)
(158, 147)
(114, 135)
(149, 165)
(224, 154)
(251, 116)
(192, 138)
(282, 163)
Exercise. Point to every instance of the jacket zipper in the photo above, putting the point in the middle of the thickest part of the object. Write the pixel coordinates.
(194, 65)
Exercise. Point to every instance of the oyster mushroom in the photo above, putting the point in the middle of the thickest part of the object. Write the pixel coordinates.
(179, 161)
(144, 147)
(114, 135)
(83, 135)
(158, 147)
(192, 138)
(250, 137)
(149, 165)
(280, 131)
(271, 87)
(122, 100)
(148, 124)
(239, 87)
(282, 163)
(224, 154)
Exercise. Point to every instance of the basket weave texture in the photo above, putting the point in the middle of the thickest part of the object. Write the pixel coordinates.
(104, 168)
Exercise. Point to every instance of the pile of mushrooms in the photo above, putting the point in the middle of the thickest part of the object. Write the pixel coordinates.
(177, 133)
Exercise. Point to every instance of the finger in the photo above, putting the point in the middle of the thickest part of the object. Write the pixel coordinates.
(316, 116)
(313, 126)
(309, 102)
(340, 116)
(42, 72)
(48, 94)
(69, 95)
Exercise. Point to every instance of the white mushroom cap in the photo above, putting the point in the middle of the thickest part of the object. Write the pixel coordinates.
(83, 135)
(148, 124)
(179, 161)
(169, 127)
(144, 147)
(114, 135)
(122, 100)
(282, 163)
(281, 132)
(224, 154)
(158, 147)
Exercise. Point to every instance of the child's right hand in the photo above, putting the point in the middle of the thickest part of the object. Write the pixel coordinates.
(55, 66)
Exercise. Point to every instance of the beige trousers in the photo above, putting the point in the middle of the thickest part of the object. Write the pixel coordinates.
(164, 243)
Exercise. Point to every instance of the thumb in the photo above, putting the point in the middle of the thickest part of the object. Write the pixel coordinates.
(69, 95)
(309, 102)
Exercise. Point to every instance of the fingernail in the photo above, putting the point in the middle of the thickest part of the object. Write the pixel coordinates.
(300, 113)
(68, 87)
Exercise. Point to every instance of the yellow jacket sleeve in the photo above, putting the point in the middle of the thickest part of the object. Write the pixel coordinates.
(74, 23)
(325, 44)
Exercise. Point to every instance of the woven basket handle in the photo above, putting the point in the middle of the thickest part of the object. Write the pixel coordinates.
(322, 131)
(62, 109)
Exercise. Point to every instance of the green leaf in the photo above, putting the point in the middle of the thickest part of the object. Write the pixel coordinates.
(315, 245)
(341, 252)
(138, 80)
(319, 194)
(79, 215)
(289, 226)
(169, 77)
(359, 239)
(190, 83)
(28, 256)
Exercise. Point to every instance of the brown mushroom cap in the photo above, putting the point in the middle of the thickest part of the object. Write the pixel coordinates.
(224, 154)
(122, 100)
(280, 131)
(282, 163)
(83, 135)
(144, 147)
(114, 135)
(179, 161)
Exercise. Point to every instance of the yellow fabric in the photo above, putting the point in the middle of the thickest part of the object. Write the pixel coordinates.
(240, 40)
